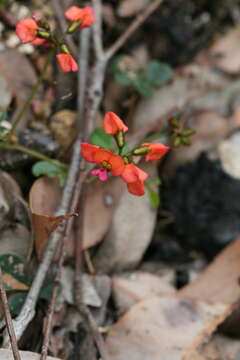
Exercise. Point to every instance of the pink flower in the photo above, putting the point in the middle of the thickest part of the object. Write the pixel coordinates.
(101, 173)
(67, 62)
(85, 16)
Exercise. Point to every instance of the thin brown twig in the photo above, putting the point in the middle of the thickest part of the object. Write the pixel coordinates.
(28, 310)
(8, 320)
(54, 294)
(132, 28)
(103, 57)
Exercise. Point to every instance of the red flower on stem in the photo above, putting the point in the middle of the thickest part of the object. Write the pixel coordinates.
(104, 158)
(26, 30)
(112, 124)
(114, 164)
(155, 151)
(85, 16)
(67, 62)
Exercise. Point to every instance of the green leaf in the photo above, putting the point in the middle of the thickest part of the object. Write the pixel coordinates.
(158, 73)
(143, 87)
(120, 76)
(47, 168)
(13, 265)
(16, 301)
(125, 150)
(98, 137)
(154, 197)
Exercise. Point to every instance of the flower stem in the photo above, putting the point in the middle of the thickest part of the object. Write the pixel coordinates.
(30, 152)
(30, 97)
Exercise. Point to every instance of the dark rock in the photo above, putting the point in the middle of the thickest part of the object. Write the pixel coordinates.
(205, 203)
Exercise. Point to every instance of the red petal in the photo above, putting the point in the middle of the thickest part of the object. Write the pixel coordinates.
(38, 41)
(117, 164)
(73, 13)
(102, 155)
(88, 151)
(157, 151)
(26, 30)
(132, 174)
(112, 124)
(136, 188)
(67, 63)
(84, 15)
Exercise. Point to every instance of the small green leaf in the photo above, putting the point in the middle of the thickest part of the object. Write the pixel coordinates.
(154, 197)
(50, 169)
(158, 73)
(120, 75)
(143, 86)
(125, 150)
(16, 301)
(98, 137)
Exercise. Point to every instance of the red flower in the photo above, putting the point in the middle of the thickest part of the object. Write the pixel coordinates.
(104, 158)
(85, 15)
(134, 177)
(26, 30)
(67, 62)
(155, 151)
(112, 124)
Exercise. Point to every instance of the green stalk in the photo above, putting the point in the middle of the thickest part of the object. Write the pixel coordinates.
(30, 152)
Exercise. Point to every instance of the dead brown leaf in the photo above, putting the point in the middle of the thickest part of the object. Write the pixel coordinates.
(13, 283)
(43, 200)
(220, 281)
(163, 328)
(226, 51)
(20, 82)
(130, 288)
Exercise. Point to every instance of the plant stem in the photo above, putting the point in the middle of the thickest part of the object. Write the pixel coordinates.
(8, 320)
(30, 152)
(30, 96)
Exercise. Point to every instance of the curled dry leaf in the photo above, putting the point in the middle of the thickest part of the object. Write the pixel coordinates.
(43, 200)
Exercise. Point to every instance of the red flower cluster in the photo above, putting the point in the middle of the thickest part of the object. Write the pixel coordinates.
(37, 32)
(117, 165)
(84, 16)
